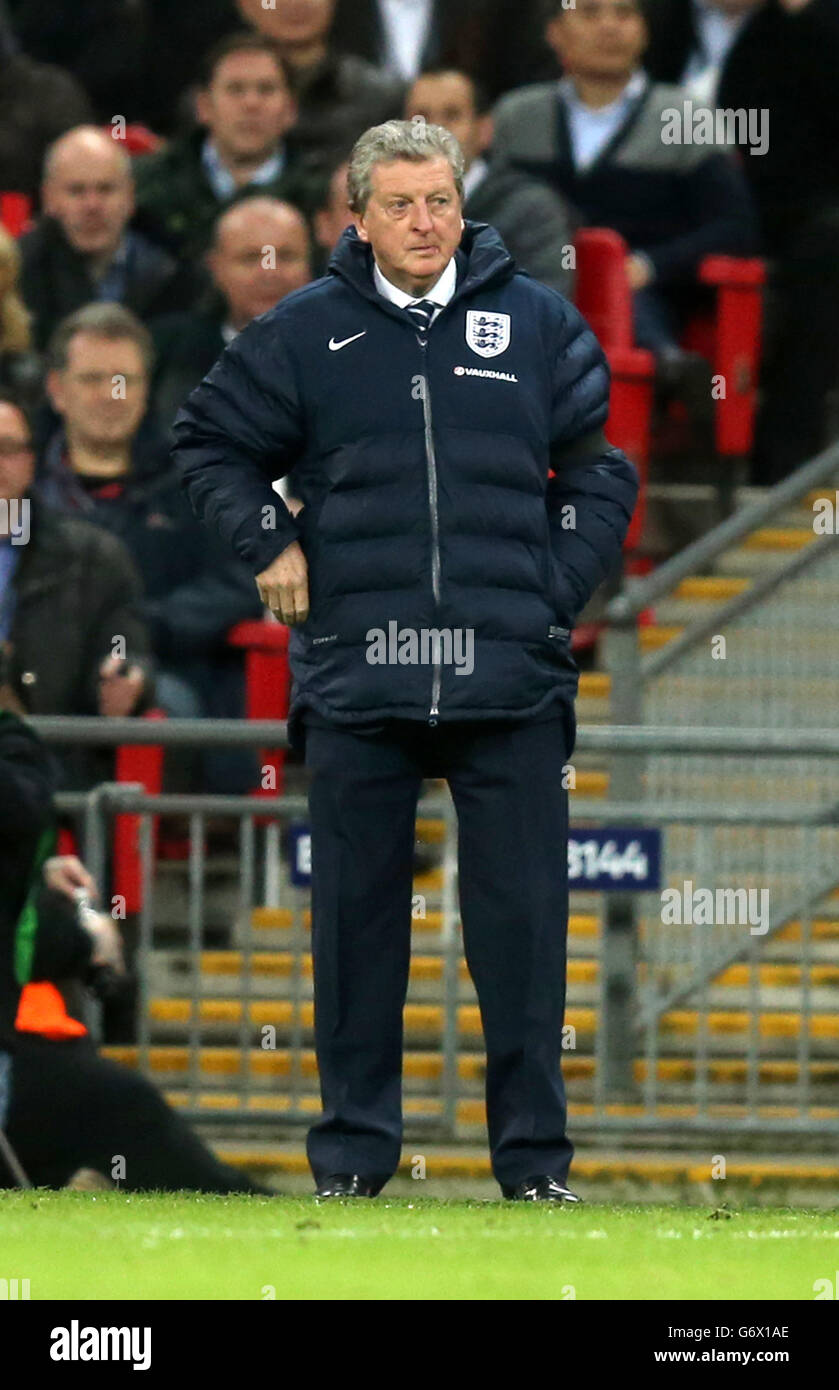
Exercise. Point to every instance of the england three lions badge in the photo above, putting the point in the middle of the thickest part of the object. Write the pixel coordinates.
(487, 333)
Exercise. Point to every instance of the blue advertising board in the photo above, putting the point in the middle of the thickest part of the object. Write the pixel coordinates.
(607, 857)
(615, 857)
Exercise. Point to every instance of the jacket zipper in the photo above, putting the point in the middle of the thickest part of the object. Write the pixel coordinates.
(431, 464)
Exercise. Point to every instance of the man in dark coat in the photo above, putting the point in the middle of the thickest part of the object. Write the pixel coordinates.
(424, 392)
(260, 252)
(68, 591)
(338, 94)
(240, 148)
(110, 466)
(83, 249)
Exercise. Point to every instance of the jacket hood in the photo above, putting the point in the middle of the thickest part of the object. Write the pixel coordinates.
(482, 259)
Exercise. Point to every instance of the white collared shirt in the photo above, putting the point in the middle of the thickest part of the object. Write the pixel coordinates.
(474, 176)
(405, 25)
(592, 127)
(440, 293)
(715, 35)
(222, 181)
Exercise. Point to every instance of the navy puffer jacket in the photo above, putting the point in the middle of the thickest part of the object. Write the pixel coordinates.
(424, 476)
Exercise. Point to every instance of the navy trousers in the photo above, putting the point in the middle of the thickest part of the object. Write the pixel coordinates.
(506, 783)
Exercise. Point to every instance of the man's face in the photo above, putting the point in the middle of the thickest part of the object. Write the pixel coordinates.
(449, 100)
(102, 392)
(17, 461)
(290, 22)
(259, 258)
(599, 38)
(90, 192)
(247, 106)
(413, 221)
(332, 220)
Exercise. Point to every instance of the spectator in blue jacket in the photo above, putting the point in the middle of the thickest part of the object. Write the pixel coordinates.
(602, 137)
(424, 392)
(109, 465)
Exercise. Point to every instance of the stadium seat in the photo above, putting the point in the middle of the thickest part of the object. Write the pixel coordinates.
(15, 212)
(138, 139)
(603, 298)
(729, 337)
(267, 683)
(134, 763)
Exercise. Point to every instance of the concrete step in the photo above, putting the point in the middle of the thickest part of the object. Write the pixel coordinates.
(220, 1066)
(224, 970)
(471, 1112)
(172, 1017)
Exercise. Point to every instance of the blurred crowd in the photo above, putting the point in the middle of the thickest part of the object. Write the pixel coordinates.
(180, 165)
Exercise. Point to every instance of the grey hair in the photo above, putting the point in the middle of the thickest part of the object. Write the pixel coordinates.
(413, 140)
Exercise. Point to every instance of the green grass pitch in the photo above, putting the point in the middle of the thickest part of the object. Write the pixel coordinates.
(113, 1245)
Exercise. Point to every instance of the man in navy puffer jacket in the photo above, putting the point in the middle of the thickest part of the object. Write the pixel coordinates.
(442, 414)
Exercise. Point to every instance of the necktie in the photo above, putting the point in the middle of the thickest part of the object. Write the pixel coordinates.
(421, 315)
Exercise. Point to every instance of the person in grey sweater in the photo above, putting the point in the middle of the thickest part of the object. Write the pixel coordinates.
(609, 140)
(532, 218)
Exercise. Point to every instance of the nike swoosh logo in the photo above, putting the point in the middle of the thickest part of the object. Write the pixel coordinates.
(336, 347)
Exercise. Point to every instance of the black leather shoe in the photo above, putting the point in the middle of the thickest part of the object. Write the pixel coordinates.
(347, 1185)
(541, 1190)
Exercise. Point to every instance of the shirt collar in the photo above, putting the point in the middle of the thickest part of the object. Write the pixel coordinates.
(120, 260)
(634, 88)
(222, 181)
(440, 293)
(474, 176)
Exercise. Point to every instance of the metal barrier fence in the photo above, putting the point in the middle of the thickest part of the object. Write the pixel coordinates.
(705, 1026)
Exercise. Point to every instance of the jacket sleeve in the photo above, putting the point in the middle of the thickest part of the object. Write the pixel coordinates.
(241, 429)
(194, 619)
(27, 780)
(537, 228)
(591, 498)
(119, 590)
(62, 946)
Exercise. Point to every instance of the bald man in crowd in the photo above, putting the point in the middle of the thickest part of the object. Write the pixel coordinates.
(83, 247)
(260, 252)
